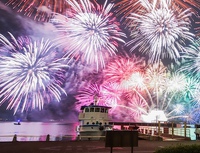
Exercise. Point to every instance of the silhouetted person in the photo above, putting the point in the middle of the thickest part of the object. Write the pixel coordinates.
(48, 137)
(197, 132)
(15, 138)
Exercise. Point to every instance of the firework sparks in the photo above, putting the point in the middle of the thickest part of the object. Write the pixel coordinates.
(42, 10)
(198, 29)
(171, 97)
(175, 85)
(192, 62)
(137, 104)
(156, 90)
(88, 95)
(91, 32)
(122, 68)
(160, 31)
(111, 93)
(124, 8)
(156, 75)
(137, 92)
(31, 73)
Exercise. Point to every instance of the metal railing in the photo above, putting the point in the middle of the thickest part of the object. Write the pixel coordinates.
(180, 132)
(171, 132)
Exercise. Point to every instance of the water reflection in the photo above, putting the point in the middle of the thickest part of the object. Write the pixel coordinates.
(38, 131)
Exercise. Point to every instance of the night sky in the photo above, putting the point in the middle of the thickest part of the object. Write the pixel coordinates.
(19, 24)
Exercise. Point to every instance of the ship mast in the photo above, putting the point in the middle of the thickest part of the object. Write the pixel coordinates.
(95, 100)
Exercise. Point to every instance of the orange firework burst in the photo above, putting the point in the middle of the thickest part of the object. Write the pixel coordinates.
(41, 10)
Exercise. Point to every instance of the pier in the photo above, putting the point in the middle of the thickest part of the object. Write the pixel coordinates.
(160, 131)
(144, 146)
(151, 135)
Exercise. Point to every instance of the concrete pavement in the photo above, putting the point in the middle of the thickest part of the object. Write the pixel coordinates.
(144, 146)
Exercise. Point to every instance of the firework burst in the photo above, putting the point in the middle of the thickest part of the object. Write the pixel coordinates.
(88, 95)
(122, 68)
(111, 93)
(91, 32)
(192, 62)
(32, 73)
(42, 10)
(155, 90)
(124, 8)
(161, 32)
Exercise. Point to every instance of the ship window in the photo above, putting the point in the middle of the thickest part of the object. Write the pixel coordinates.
(102, 110)
(92, 109)
(97, 109)
(106, 110)
(86, 109)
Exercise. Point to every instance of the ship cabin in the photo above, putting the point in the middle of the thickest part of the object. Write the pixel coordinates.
(94, 115)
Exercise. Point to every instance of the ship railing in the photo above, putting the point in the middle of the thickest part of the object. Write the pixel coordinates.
(91, 137)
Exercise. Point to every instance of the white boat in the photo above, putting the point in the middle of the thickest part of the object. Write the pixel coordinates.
(94, 122)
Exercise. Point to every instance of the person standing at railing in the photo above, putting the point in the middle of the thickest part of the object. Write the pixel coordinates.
(14, 138)
(197, 132)
(48, 137)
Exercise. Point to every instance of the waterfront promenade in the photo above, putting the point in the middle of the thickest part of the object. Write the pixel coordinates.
(144, 146)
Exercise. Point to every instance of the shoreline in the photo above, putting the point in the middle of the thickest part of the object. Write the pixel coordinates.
(144, 146)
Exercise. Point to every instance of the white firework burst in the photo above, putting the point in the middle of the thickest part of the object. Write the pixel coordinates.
(90, 32)
(31, 72)
(161, 31)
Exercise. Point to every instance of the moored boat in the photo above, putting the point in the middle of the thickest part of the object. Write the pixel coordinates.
(94, 122)
(17, 123)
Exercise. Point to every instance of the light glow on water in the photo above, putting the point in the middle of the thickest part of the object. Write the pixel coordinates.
(37, 131)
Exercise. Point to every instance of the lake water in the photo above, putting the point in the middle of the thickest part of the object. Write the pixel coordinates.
(38, 131)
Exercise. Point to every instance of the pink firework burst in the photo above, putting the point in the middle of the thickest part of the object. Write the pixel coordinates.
(122, 68)
(88, 95)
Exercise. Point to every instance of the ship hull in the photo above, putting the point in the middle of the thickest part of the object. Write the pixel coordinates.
(92, 132)
(91, 135)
